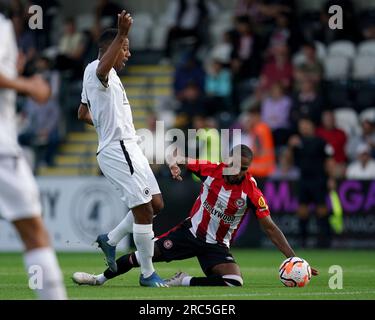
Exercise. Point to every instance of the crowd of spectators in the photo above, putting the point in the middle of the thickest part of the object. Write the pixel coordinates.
(267, 75)
(263, 75)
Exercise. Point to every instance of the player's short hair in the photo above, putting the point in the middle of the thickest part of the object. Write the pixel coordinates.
(107, 37)
(246, 152)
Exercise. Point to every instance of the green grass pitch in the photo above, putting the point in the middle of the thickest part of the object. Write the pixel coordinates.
(259, 269)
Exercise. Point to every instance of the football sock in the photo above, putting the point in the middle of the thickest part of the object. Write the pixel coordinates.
(230, 280)
(143, 239)
(124, 264)
(52, 286)
(124, 228)
(101, 278)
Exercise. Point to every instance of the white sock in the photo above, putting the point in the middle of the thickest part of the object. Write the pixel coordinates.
(143, 235)
(186, 281)
(45, 276)
(124, 228)
(101, 278)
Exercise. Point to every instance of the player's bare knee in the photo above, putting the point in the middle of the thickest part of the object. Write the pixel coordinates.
(157, 204)
(143, 214)
(32, 233)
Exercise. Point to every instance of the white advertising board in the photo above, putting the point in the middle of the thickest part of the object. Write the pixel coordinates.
(75, 211)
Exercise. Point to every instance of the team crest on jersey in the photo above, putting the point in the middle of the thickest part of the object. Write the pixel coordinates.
(146, 192)
(240, 203)
(262, 203)
(168, 244)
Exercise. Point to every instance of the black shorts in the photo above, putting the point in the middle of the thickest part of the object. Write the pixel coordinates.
(312, 191)
(179, 244)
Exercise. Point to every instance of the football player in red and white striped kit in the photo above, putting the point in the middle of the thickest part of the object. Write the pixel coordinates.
(216, 215)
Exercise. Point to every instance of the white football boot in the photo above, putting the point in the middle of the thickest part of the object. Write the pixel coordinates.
(176, 280)
(83, 278)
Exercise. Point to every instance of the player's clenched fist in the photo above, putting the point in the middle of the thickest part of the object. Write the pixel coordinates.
(125, 21)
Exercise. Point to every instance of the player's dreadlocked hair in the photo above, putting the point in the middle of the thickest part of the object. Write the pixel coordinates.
(107, 37)
(245, 151)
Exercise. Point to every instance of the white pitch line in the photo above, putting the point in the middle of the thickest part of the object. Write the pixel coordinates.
(267, 294)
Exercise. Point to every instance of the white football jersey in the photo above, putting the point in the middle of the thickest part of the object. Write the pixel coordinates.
(8, 68)
(109, 107)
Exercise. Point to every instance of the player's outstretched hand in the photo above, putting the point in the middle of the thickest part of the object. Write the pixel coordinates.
(314, 272)
(176, 172)
(125, 22)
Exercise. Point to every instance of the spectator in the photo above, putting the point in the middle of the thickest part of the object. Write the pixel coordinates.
(222, 51)
(187, 18)
(366, 137)
(311, 154)
(191, 102)
(189, 71)
(71, 49)
(308, 67)
(251, 8)
(44, 37)
(25, 38)
(246, 55)
(364, 167)
(44, 119)
(259, 138)
(218, 88)
(283, 34)
(275, 113)
(286, 170)
(279, 69)
(307, 103)
(337, 139)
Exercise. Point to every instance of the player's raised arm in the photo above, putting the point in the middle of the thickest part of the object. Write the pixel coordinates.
(108, 60)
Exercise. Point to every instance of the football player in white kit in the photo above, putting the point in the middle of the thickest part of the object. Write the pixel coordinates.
(104, 105)
(19, 195)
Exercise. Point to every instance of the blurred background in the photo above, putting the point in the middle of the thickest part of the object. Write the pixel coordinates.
(272, 68)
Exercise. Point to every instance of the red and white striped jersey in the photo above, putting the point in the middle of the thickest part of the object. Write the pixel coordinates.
(221, 207)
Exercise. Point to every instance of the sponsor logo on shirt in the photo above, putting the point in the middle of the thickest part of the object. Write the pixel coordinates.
(262, 204)
(219, 213)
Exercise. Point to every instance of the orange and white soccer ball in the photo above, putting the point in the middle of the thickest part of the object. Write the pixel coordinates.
(295, 272)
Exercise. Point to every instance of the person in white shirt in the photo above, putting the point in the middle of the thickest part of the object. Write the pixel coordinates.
(364, 167)
(19, 195)
(105, 105)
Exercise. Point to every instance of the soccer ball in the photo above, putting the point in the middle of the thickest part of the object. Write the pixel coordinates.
(295, 272)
